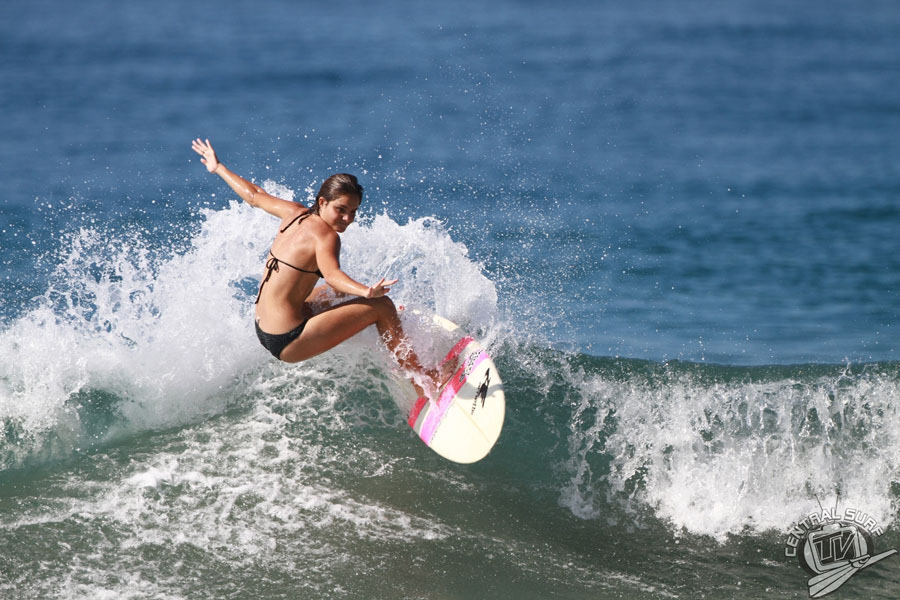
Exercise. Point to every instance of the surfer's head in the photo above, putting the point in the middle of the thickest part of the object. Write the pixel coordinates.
(339, 184)
(338, 200)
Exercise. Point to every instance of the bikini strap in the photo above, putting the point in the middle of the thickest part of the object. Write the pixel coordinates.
(295, 220)
(271, 265)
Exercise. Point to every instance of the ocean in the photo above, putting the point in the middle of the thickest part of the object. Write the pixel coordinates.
(673, 225)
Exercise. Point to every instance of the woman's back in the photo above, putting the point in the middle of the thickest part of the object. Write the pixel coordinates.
(291, 272)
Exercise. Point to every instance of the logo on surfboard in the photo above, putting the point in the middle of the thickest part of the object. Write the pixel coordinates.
(482, 392)
(834, 547)
(470, 362)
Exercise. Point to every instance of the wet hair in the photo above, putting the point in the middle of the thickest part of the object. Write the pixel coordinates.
(339, 184)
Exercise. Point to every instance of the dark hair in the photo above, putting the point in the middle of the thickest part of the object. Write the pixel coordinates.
(339, 184)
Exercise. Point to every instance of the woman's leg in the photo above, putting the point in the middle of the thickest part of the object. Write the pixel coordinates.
(339, 323)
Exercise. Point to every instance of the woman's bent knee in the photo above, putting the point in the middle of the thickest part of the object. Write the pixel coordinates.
(384, 306)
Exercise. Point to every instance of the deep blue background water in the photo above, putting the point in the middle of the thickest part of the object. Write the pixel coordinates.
(664, 180)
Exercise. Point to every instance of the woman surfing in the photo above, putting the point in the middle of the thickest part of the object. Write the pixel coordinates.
(295, 319)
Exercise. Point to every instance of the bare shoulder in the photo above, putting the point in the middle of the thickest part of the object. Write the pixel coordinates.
(291, 211)
(320, 228)
(325, 236)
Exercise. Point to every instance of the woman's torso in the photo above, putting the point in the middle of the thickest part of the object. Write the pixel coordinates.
(282, 299)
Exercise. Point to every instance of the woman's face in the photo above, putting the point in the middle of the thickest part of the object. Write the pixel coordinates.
(340, 212)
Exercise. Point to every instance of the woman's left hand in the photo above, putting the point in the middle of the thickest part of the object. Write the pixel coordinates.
(381, 288)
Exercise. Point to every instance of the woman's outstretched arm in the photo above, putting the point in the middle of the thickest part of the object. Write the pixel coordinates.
(250, 193)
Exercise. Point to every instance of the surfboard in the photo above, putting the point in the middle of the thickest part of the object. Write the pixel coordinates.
(465, 422)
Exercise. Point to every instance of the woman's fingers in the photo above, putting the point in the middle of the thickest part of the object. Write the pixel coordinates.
(382, 283)
(383, 287)
(201, 147)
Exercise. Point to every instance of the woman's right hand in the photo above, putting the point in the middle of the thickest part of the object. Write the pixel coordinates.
(205, 150)
(381, 288)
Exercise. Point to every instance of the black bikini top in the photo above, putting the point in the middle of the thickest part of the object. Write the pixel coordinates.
(273, 262)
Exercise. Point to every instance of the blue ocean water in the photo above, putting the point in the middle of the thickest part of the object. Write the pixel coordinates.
(673, 223)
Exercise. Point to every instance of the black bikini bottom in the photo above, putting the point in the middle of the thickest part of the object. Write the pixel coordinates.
(276, 342)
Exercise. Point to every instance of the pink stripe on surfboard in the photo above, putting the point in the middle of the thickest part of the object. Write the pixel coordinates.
(455, 351)
(436, 414)
(417, 408)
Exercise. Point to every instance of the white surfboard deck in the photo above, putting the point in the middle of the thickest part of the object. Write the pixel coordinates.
(465, 422)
